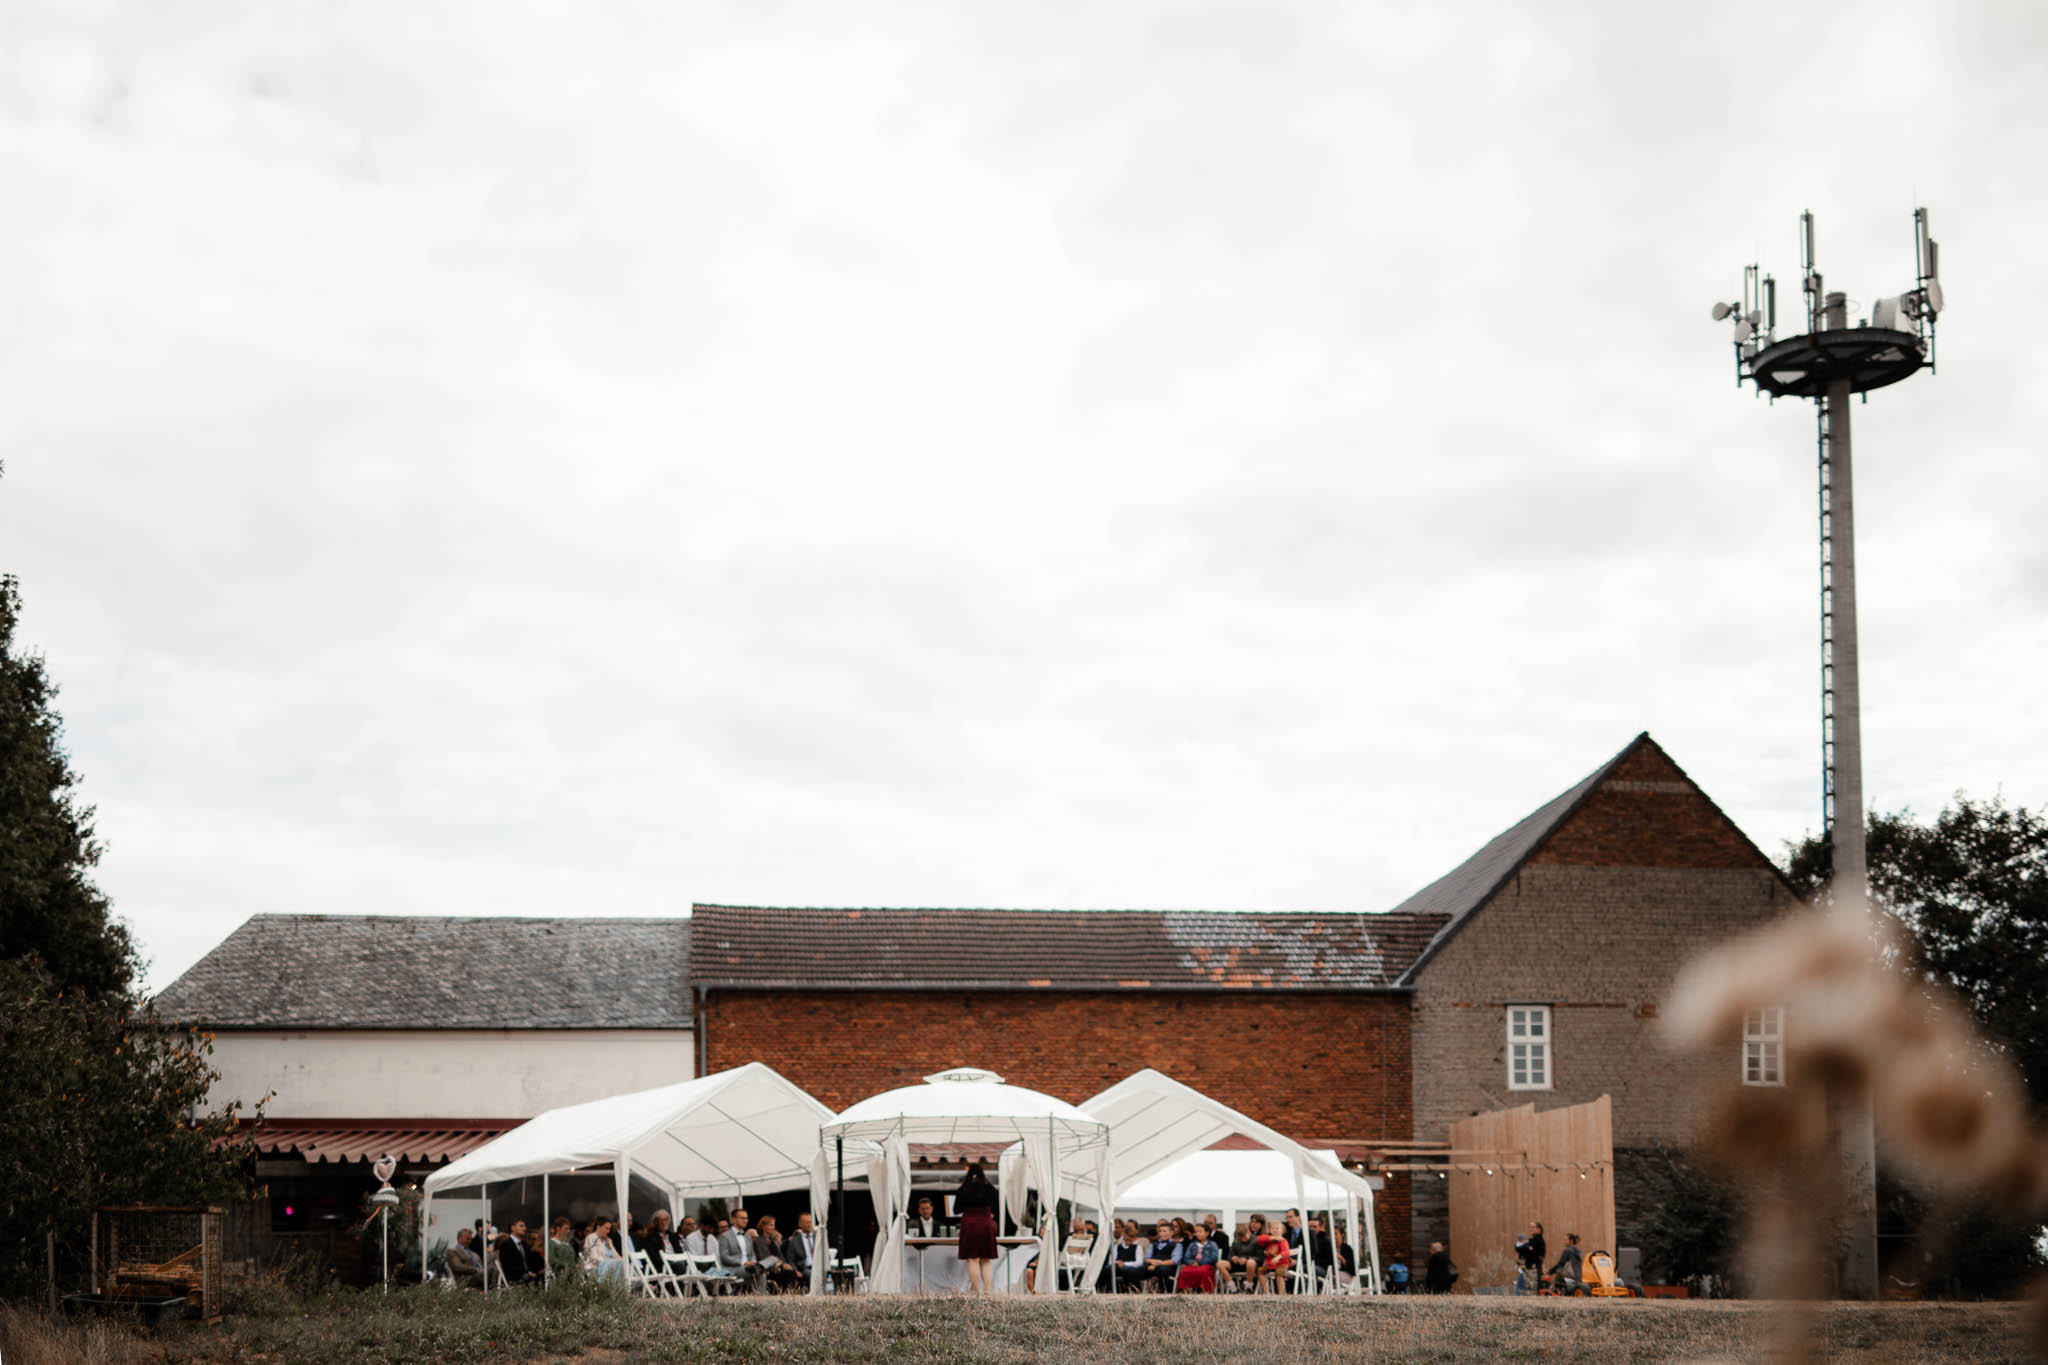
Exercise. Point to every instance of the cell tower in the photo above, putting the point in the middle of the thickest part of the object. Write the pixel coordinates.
(1830, 362)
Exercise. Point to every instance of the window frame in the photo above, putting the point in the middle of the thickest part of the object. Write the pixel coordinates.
(1763, 1038)
(1537, 1039)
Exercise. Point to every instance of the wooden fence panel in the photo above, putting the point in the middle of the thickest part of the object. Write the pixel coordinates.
(1555, 1168)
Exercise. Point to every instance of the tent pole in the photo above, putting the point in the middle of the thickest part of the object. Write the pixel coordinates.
(839, 1223)
(547, 1268)
(484, 1251)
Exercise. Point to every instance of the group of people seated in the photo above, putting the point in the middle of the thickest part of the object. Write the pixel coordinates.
(747, 1257)
(1175, 1255)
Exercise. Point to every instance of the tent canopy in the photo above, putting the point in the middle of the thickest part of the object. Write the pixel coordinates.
(965, 1104)
(1241, 1182)
(968, 1105)
(1155, 1121)
(743, 1131)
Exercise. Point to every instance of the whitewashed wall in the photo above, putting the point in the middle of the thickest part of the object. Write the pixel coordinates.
(445, 1074)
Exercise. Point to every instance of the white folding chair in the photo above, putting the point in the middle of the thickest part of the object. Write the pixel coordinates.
(708, 1277)
(860, 1274)
(655, 1284)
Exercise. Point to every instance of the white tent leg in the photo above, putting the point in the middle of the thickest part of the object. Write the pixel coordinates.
(622, 1181)
(1372, 1240)
(485, 1250)
(547, 1264)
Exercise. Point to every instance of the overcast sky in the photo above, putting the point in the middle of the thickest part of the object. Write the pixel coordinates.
(583, 459)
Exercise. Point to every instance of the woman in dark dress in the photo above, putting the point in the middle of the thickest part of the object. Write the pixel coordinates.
(976, 1204)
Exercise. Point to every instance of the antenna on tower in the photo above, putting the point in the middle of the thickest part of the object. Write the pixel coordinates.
(1830, 363)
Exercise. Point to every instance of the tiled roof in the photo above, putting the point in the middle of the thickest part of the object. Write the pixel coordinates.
(433, 972)
(1471, 883)
(765, 947)
(366, 1140)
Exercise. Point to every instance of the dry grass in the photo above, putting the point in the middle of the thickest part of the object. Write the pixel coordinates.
(600, 1328)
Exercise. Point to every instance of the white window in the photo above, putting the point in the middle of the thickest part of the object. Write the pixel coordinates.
(1763, 1046)
(1528, 1047)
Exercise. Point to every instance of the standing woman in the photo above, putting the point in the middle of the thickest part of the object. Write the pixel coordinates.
(976, 1204)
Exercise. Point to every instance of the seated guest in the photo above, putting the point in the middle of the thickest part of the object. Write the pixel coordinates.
(769, 1244)
(1347, 1265)
(1197, 1263)
(600, 1258)
(513, 1263)
(1220, 1238)
(1276, 1259)
(700, 1239)
(1321, 1249)
(659, 1242)
(925, 1223)
(617, 1236)
(561, 1248)
(800, 1250)
(1126, 1265)
(1162, 1261)
(462, 1263)
(736, 1250)
(1246, 1259)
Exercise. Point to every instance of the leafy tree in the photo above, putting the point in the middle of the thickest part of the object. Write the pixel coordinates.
(1971, 891)
(101, 1102)
(104, 1106)
(1692, 1230)
(49, 908)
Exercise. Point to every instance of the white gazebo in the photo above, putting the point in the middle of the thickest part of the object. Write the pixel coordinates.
(1157, 1123)
(746, 1131)
(965, 1105)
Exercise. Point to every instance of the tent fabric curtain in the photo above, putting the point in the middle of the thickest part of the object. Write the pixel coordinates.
(1013, 1175)
(889, 1183)
(1042, 1161)
(821, 1215)
(1105, 1196)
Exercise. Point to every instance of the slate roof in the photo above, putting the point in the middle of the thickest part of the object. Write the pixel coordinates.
(1472, 883)
(761, 947)
(433, 972)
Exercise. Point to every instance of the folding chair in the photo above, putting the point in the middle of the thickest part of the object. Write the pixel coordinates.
(708, 1278)
(655, 1284)
(848, 1266)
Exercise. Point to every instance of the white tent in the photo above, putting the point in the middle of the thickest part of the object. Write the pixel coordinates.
(1231, 1183)
(1155, 1122)
(963, 1105)
(734, 1133)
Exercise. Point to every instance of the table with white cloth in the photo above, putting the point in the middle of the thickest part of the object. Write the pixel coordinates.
(932, 1265)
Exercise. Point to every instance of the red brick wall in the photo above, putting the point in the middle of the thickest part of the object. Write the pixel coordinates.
(1310, 1065)
(1648, 814)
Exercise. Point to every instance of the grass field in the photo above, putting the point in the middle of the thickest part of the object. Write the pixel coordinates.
(419, 1326)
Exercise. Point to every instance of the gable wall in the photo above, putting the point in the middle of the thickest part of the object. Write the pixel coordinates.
(1644, 876)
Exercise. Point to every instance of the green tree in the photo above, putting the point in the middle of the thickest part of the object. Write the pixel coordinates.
(49, 907)
(101, 1102)
(1971, 891)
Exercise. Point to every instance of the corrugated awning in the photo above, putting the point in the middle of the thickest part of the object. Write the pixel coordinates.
(368, 1141)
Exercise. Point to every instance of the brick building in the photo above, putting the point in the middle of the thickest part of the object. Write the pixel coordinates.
(1293, 1019)
(1532, 972)
(1561, 938)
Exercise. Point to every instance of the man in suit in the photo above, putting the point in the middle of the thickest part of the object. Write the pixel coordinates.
(925, 1223)
(736, 1250)
(515, 1262)
(462, 1263)
(800, 1249)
